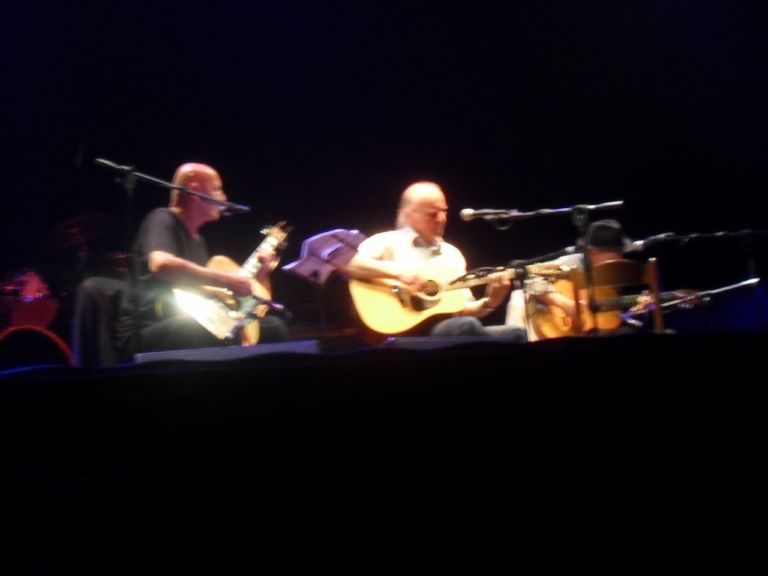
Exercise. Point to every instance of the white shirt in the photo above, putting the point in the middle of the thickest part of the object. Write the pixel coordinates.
(438, 261)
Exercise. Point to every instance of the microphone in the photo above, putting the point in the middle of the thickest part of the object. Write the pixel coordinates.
(229, 209)
(468, 214)
(640, 245)
(225, 208)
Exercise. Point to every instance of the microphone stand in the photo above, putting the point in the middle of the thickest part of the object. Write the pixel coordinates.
(746, 239)
(575, 211)
(542, 258)
(127, 177)
(580, 219)
(130, 174)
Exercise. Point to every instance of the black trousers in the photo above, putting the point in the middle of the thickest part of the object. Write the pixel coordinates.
(99, 305)
(182, 332)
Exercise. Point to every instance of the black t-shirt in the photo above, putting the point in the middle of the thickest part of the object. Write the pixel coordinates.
(162, 230)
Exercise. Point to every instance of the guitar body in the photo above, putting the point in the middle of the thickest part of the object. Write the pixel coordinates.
(226, 264)
(250, 329)
(551, 321)
(387, 311)
(220, 311)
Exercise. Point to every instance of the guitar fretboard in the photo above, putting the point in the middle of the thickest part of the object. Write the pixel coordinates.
(620, 302)
(275, 238)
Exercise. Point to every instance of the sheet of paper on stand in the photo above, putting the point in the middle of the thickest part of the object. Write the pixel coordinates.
(323, 253)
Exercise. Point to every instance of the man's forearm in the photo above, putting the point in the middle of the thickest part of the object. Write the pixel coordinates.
(362, 266)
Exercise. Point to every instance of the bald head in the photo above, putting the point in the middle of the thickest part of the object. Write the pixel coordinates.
(191, 172)
(197, 177)
(423, 208)
(193, 210)
(420, 191)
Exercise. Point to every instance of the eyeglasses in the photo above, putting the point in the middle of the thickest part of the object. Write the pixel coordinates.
(433, 213)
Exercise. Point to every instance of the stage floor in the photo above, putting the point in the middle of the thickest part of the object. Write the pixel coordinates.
(188, 452)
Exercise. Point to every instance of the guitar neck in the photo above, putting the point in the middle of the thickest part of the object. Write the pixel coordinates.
(549, 270)
(469, 283)
(618, 302)
(667, 299)
(275, 238)
(251, 266)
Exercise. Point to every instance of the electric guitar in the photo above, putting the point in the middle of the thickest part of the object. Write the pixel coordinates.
(386, 308)
(221, 312)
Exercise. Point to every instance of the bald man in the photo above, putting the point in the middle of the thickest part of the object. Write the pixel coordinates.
(170, 251)
(417, 246)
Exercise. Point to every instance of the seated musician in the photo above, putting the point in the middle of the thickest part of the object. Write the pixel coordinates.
(604, 241)
(415, 253)
(170, 252)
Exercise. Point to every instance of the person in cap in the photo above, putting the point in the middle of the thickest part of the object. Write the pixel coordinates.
(603, 240)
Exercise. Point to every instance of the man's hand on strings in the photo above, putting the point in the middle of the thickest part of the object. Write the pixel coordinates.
(411, 282)
(239, 285)
(497, 289)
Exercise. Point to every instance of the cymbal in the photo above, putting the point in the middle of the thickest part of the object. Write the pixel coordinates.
(77, 230)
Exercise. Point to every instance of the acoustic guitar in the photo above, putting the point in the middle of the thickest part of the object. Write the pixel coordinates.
(221, 312)
(388, 309)
(550, 321)
(612, 309)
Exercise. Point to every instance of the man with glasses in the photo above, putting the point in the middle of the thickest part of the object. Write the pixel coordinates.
(415, 253)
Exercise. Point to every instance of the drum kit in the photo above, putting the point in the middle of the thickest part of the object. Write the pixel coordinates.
(27, 301)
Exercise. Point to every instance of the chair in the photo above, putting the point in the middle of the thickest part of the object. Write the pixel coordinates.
(617, 284)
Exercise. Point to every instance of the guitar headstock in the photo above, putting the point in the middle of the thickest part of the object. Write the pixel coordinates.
(276, 235)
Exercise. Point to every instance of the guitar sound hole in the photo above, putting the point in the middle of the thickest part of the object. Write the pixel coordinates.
(430, 289)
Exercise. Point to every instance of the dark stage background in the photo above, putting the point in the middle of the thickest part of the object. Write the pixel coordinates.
(321, 113)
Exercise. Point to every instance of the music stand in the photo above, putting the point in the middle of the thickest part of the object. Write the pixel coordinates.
(324, 253)
(321, 255)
